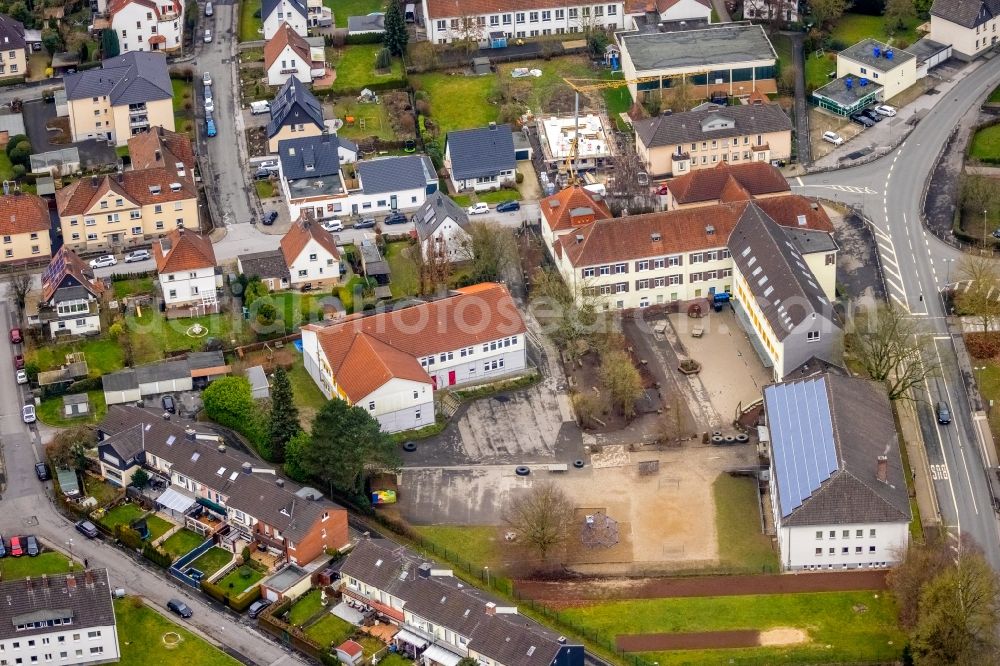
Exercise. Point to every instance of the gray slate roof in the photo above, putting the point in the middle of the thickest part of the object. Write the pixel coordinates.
(372, 23)
(717, 45)
(11, 34)
(479, 152)
(776, 272)
(686, 127)
(123, 380)
(268, 264)
(84, 597)
(967, 13)
(858, 429)
(131, 78)
(507, 638)
(392, 174)
(294, 105)
(809, 240)
(269, 6)
(436, 209)
(864, 53)
(321, 153)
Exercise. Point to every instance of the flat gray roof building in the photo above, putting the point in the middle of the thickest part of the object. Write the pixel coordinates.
(698, 49)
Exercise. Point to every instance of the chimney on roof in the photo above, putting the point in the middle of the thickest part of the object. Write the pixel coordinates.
(156, 155)
(491, 608)
(424, 570)
(189, 434)
(93, 181)
(493, 126)
(579, 238)
(88, 576)
(247, 468)
(709, 230)
(45, 581)
(70, 582)
(882, 469)
(28, 584)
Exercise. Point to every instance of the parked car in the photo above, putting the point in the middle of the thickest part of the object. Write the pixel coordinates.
(872, 114)
(168, 404)
(3, 547)
(19, 361)
(87, 529)
(257, 607)
(395, 217)
(208, 9)
(209, 105)
(208, 36)
(333, 225)
(662, 190)
(270, 217)
(17, 546)
(137, 255)
(42, 471)
(21, 376)
(886, 110)
(179, 607)
(16, 337)
(366, 223)
(478, 209)
(209, 126)
(256, 108)
(261, 174)
(861, 119)
(32, 546)
(206, 78)
(28, 414)
(103, 261)
(508, 206)
(943, 413)
(833, 137)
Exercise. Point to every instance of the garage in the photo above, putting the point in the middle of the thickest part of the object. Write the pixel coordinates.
(166, 377)
(121, 387)
(929, 55)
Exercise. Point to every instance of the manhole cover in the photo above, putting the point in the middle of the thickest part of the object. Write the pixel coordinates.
(31, 521)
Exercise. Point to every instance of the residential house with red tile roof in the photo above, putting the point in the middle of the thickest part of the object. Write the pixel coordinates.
(485, 20)
(147, 25)
(567, 210)
(117, 211)
(288, 54)
(185, 265)
(311, 255)
(24, 228)
(390, 363)
(725, 182)
(69, 302)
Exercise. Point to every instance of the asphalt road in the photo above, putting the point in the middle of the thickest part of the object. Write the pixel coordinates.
(916, 266)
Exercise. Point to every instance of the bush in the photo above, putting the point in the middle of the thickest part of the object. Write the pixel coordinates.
(214, 591)
(367, 38)
(983, 344)
(85, 384)
(518, 177)
(243, 601)
(128, 536)
(156, 556)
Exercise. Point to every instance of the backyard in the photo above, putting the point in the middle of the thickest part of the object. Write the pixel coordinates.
(183, 105)
(239, 580)
(103, 356)
(444, 92)
(986, 144)
(344, 8)
(212, 560)
(330, 630)
(296, 308)
(48, 562)
(250, 25)
(742, 544)
(51, 411)
(368, 120)
(306, 606)
(840, 627)
(308, 397)
(142, 635)
(133, 287)
(123, 514)
(181, 542)
(852, 28)
(405, 279)
(355, 67)
(157, 526)
(152, 334)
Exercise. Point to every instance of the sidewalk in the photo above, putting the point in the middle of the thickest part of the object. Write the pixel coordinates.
(909, 426)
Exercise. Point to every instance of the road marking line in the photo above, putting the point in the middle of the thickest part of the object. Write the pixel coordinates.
(951, 487)
(895, 274)
(961, 449)
(898, 299)
(798, 179)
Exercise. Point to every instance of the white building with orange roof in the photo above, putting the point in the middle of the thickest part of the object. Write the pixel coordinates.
(391, 363)
(147, 25)
(311, 255)
(185, 266)
(569, 209)
(288, 54)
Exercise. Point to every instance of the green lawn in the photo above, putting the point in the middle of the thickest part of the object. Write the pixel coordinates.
(103, 356)
(104, 492)
(369, 120)
(308, 397)
(405, 279)
(250, 25)
(212, 560)
(356, 67)
(394, 659)
(783, 47)
(235, 583)
(843, 627)
(994, 96)
(50, 412)
(48, 562)
(553, 72)
(157, 527)
(344, 8)
(305, 607)
(457, 102)
(330, 630)
(183, 105)
(493, 197)
(476, 544)
(818, 68)
(265, 189)
(140, 634)
(181, 542)
(123, 514)
(6, 167)
(134, 287)
(852, 28)
(153, 334)
(986, 143)
(297, 308)
(988, 379)
(742, 545)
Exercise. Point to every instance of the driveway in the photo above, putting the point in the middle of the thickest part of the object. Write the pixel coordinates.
(36, 114)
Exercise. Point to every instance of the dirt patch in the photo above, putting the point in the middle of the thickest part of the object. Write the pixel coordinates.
(401, 117)
(700, 586)
(942, 191)
(823, 121)
(256, 141)
(58, 129)
(699, 640)
(782, 636)
(857, 262)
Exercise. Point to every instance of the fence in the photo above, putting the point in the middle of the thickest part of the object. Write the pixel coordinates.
(177, 570)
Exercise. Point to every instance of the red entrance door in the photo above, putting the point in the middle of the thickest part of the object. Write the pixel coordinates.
(451, 377)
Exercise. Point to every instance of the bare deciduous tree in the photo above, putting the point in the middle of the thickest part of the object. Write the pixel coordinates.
(20, 285)
(621, 381)
(889, 346)
(493, 251)
(979, 294)
(570, 319)
(541, 517)
(628, 193)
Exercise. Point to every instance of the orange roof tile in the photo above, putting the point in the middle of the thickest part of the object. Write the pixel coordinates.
(298, 236)
(368, 363)
(160, 147)
(733, 190)
(285, 36)
(116, 6)
(23, 213)
(707, 184)
(141, 187)
(183, 250)
(558, 208)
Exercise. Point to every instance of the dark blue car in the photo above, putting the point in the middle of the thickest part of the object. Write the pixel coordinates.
(508, 206)
(396, 218)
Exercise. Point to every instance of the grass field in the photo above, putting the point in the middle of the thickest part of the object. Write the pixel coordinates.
(265, 189)
(852, 28)
(103, 356)
(48, 562)
(445, 92)
(986, 143)
(212, 560)
(181, 542)
(843, 627)
(6, 167)
(375, 119)
(51, 412)
(741, 543)
(344, 8)
(818, 69)
(330, 630)
(296, 308)
(250, 25)
(153, 334)
(356, 67)
(492, 198)
(475, 544)
(405, 280)
(994, 96)
(157, 527)
(305, 607)
(140, 635)
(553, 72)
(183, 102)
(308, 397)
(133, 287)
(123, 514)
(236, 583)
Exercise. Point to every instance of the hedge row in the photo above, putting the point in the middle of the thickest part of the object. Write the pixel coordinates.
(366, 38)
(18, 80)
(378, 86)
(238, 603)
(983, 344)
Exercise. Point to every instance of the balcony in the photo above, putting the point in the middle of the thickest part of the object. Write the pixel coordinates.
(135, 123)
(135, 109)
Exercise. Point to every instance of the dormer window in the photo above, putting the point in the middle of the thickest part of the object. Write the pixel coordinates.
(175, 187)
(154, 189)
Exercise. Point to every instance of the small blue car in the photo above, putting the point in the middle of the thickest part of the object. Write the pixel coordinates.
(210, 126)
(508, 206)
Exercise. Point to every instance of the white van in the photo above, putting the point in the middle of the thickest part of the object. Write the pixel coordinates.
(259, 107)
(411, 13)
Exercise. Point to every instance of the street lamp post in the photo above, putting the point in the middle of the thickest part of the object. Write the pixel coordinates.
(69, 544)
(947, 280)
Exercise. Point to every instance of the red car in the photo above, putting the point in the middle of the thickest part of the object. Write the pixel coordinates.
(15, 336)
(19, 362)
(17, 546)
(662, 189)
